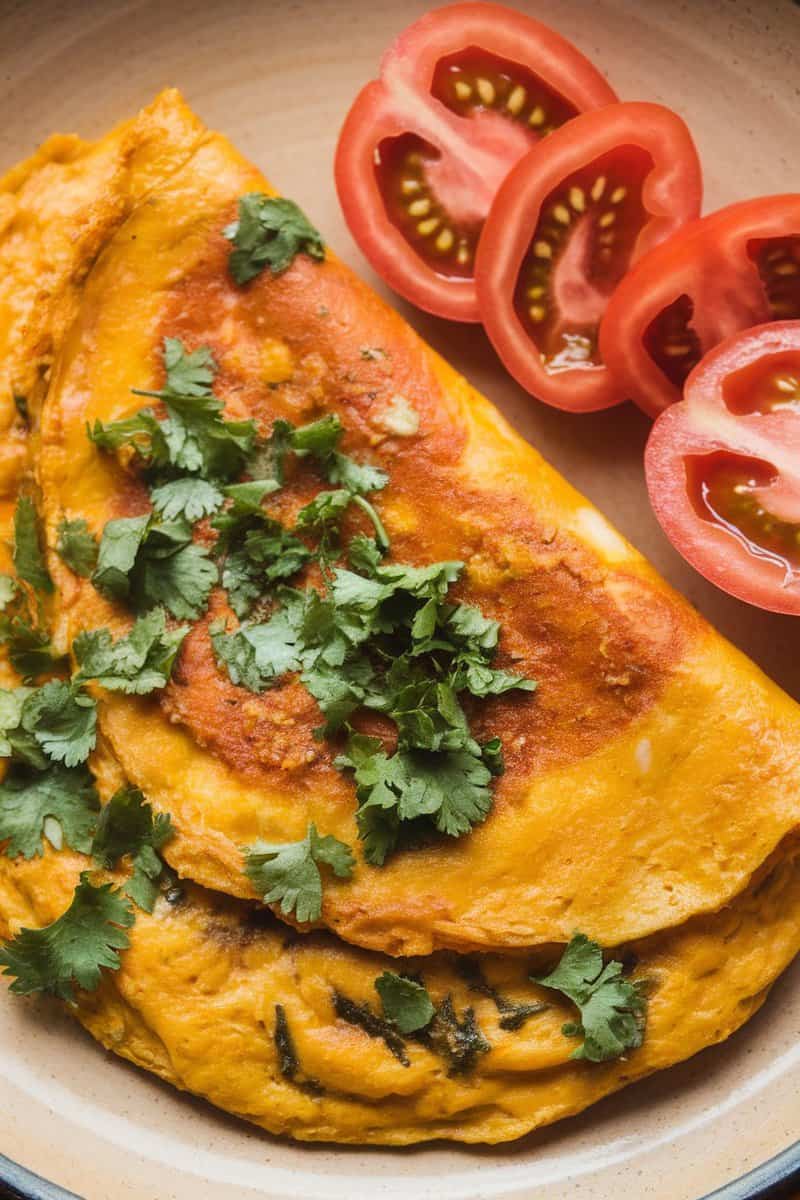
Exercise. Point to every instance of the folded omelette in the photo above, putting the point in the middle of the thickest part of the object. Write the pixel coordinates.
(630, 774)
(648, 775)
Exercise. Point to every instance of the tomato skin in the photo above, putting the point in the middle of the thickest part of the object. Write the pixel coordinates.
(477, 151)
(702, 425)
(708, 261)
(671, 194)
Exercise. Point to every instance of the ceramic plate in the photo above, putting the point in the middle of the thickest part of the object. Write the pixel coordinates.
(277, 77)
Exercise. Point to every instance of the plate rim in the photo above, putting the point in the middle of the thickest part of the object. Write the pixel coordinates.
(760, 1183)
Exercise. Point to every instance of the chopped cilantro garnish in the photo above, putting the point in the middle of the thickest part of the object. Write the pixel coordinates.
(77, 547)
(53, 723)
(270, 232)
(137, 663)
(73, 950)
(8, 591)
(612, 1009)
(364, 554)
(128, 827)
(238, 656)
(29, 560)
(194, 437)
(267, 554)
(289, 873)
(319, 438)
(29, 649)
(387, 641)
(150, 563)
(58, 802)
(450, 787)
(461, 1042)
(63, 720)
(268, 457)
(361, 1016)
(189, 498)
(326, 509)
(513, 1013)
(16, 741)
(405, 1002)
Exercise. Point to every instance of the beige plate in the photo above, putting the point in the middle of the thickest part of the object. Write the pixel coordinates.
(277, 77)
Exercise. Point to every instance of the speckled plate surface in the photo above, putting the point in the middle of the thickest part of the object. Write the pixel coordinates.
(277, 77)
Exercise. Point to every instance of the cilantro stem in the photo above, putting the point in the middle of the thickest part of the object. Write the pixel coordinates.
(381, 535)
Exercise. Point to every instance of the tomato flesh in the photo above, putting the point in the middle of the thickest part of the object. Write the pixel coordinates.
(474, 82)
(778, 263)
(759, 389)
(463, 94)
(583, 240)
(723, 467)
(726, 490)
(732, 270)
(406, 168)
(672, 343)
(566, 225)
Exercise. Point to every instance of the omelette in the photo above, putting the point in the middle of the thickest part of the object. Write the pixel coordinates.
(647, 776)
(646, 797)
(284, 1030)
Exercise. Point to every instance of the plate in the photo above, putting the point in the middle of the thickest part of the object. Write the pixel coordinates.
(277, 78)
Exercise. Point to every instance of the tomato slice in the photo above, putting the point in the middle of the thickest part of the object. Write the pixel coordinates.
(731, 270)
(723, 467)
(463, 94)
(566, 225)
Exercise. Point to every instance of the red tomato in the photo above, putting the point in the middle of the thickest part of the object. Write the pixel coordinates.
(733, 269)
(463, 94)
(566, 225)
(723, 467)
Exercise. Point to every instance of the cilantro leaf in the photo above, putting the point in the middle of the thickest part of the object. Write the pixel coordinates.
(149, 563)
(459, 1041)
(119, 547)
(29, 649)
(76, 546)
(194, 437)
(318, 438)
(267, 459)
(63, 720)
(31, 801)
(188, 373)
(451, 787)
(128, 826)
(137, 663)
(189, 498)
(72, 950)
(338, 690)
(270, 232)
(612, 1008)
(327, 508)
(142, 432)
(16, 742)
(243, 514)
(405, 1002)
(364, 554)
(29, 560)
(289, 872)
(238, 656)
(8, 591)
(268, 555)
(359, 478)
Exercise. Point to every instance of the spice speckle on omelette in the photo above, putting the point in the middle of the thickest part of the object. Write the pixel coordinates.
(361, 779)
